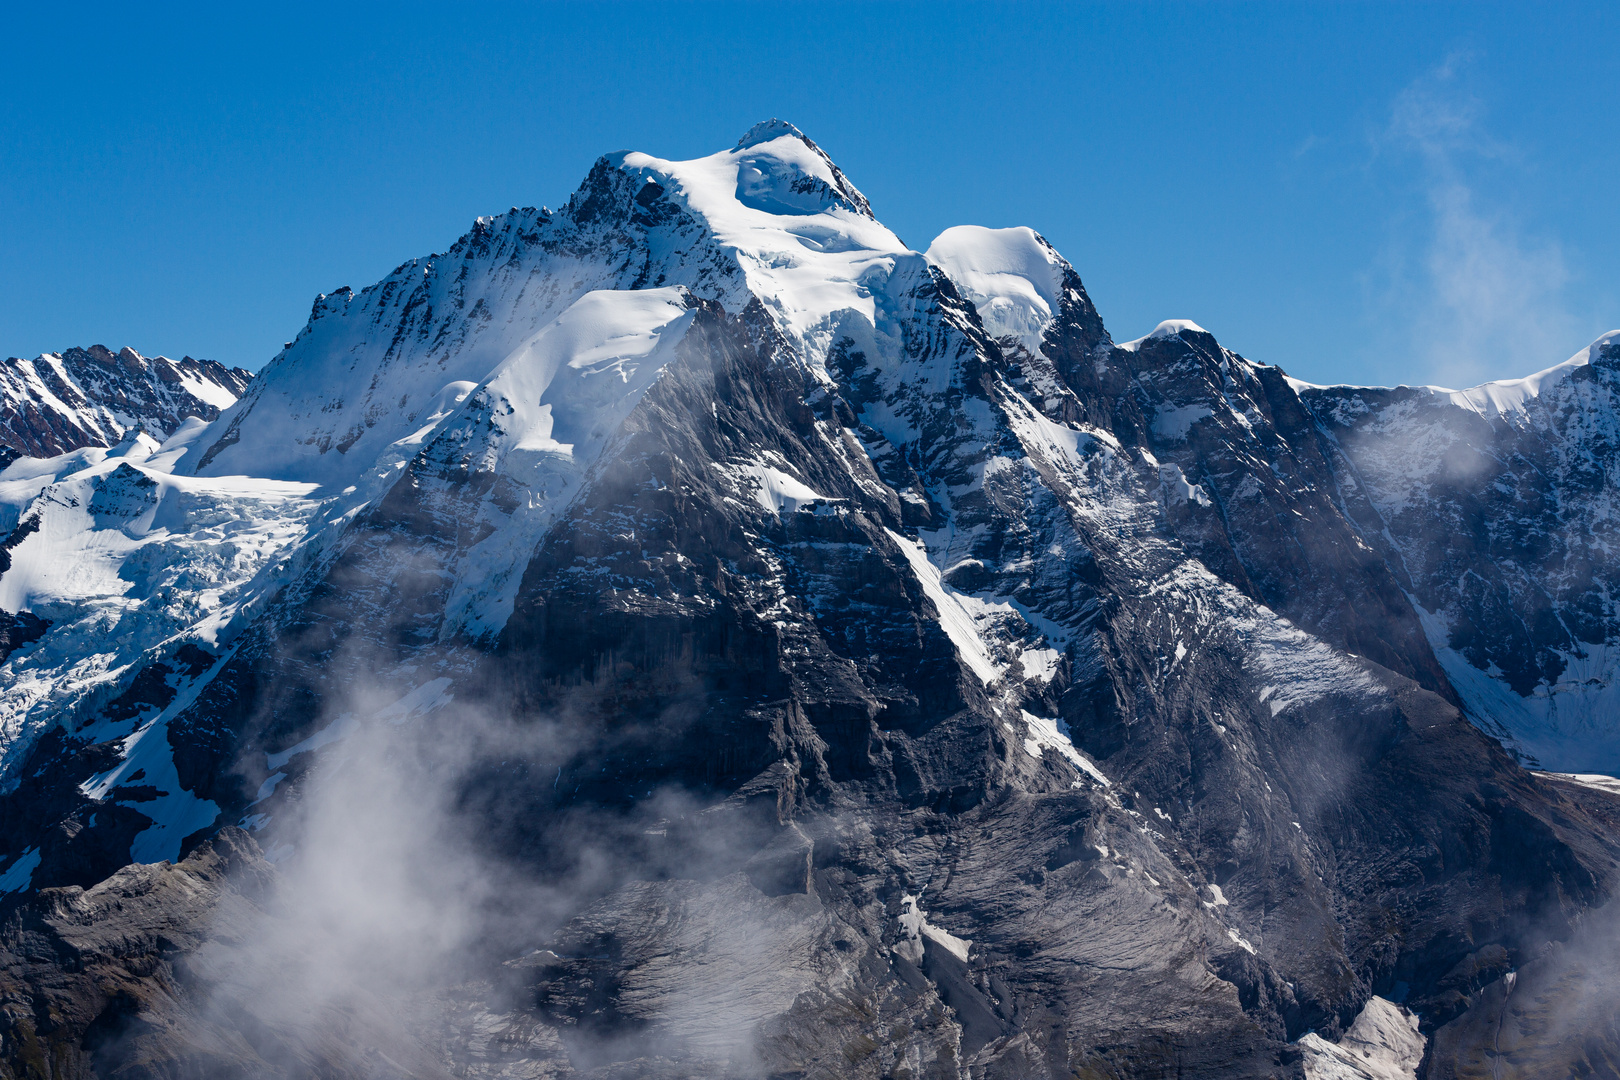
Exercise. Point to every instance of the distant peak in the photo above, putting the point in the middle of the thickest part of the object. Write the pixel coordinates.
(766, 130)
(1175, 328)
(1168, 329)
(769, 130)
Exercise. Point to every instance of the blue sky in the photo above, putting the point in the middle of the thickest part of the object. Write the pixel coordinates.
(1360, 192)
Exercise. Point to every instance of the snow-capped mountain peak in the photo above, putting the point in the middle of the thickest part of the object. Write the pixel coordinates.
(772, 222)
(705, 538)
(1169, 328)
(1012, 276)
(60, 402)
(768, 131)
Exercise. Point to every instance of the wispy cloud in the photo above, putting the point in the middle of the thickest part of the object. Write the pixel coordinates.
(1475, 294)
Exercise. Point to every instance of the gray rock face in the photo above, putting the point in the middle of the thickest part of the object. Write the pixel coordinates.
(89, 978)
(919, 684)
(1267, 520)
(1547, 1015)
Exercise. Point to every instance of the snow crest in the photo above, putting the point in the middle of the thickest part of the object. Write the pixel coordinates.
(1012, 276)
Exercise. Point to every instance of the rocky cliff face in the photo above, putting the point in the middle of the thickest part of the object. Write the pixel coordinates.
(1493, 507)
(728, 643)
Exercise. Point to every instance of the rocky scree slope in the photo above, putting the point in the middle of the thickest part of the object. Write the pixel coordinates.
(906, 679)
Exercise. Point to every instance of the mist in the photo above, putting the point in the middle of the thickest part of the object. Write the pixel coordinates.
(427, 865)
(1468, 290)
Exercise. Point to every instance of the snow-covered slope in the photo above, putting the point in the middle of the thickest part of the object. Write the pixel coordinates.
(771, 222)
(1509, 398)
(537, 425)
(61, 402)
(136, 570)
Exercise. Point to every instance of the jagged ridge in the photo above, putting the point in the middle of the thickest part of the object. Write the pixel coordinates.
(65, 401)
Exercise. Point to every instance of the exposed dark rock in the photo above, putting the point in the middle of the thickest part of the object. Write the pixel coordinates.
(1496, 516)
(18, 630)
(93, 982)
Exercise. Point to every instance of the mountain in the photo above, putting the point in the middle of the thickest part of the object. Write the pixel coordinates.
(66, 401)
(690, 633)
(1494, 508)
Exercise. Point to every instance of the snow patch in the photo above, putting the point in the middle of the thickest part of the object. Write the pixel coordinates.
(1597, 781)
(1573, 722)
(1040, 664)
(954, 617)
(341, 728)
(424, 700)
(1178, 490)
(1173, 424)
(1053, 734)
(20, 873)
(1299, 667)
(776, 491)
(268, 788)
(914, 926)
(176, 813)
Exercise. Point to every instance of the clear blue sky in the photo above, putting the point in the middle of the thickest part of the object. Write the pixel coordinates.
(1415, 192)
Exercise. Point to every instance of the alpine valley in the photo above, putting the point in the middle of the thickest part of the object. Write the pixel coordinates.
(691, 634)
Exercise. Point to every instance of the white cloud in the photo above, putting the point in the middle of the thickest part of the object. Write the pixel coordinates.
(1472, 292)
